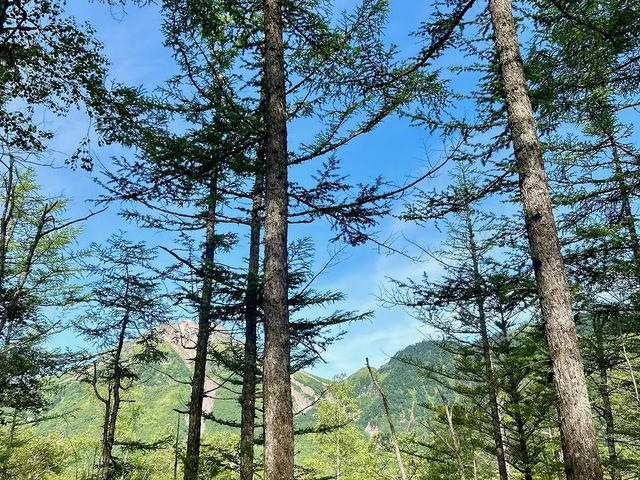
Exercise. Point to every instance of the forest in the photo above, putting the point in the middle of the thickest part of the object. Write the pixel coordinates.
(319, 239)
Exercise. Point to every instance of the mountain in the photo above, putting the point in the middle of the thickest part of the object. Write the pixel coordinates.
(405, 386)
(164, 390)
(152, 406)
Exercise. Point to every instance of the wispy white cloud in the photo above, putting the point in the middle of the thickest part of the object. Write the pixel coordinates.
(390, 329)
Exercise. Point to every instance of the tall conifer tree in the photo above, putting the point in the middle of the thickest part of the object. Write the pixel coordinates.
(576, 423)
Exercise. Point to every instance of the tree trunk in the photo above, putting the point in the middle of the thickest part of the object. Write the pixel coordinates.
(175, 450)
(512, 386)
(576, 422)
(7, 216)
(112, 406)
(194, 429)
(603, 389)
(629, 366)
(455, 443)
(392, 430)
(109, 434)
(486, 351)
(105, 456)
(475, 466)
(248, 400)
(278, 408)
(627, 212)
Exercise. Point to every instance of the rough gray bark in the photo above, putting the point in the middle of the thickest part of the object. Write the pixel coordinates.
(248, 399)
(576, 422)
(194, 428)
(278, 408)
(486, 352)
(394, 438)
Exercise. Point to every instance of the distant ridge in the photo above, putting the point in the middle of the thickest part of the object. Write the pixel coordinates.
(406, 388)
(164, 388)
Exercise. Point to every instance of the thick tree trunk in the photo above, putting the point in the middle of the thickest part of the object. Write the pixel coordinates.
(248, 400)
(576, 422)
(194, 429)
(278, 408)
(492, 384)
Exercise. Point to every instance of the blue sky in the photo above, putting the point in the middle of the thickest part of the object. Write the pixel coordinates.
(133, 44)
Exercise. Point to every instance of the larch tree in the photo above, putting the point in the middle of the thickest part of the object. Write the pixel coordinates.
(203, 49)
(184, 181)
(592, 88)
(578, 432)
(465, 305)
(350, 98)
(38, 267)
(125, 306)
(278, 408)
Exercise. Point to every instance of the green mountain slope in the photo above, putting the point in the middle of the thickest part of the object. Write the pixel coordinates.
(406, 388)
(151, 410)
(152, 406)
